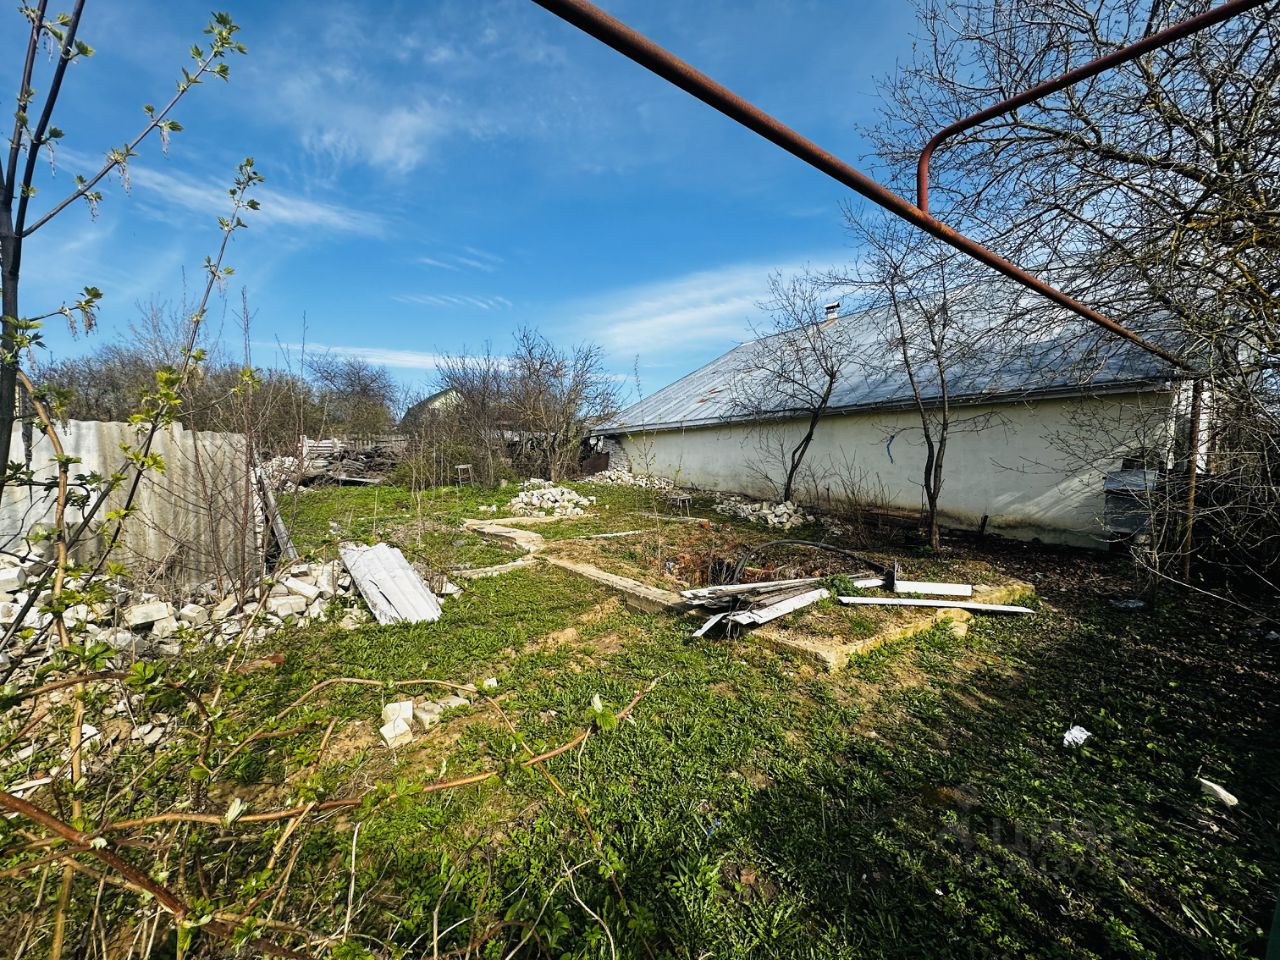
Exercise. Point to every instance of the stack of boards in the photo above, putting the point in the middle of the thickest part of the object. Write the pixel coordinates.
(751, 604)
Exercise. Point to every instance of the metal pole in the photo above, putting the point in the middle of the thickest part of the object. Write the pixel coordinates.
(612, 32)
(1134, 50)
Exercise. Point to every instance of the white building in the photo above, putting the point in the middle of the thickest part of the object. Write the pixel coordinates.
(1039, 429)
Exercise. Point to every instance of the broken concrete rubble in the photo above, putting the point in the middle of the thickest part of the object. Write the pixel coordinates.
(396, 733)
(165, 627)
(194, 614)
(141, 614)
(427, 713)
(12, 579)
(300, 588)
(784, 516)
(538, 499)
(137, 624)
(399, 710)
(625, 478)
(286, 606)
(398, 717)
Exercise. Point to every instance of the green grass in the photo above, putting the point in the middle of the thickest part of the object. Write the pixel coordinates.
(919, 804)
(424, 525)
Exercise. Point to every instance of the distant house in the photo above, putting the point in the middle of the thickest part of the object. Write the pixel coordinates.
(424, 410)
(1064, 419)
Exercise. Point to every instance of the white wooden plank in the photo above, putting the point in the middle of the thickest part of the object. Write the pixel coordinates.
(949, 604)
(780, 609)
(940, 589)
(715, 618)
(729, 589)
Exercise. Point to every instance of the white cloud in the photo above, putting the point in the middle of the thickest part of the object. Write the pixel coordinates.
(433, 262)
(454, 300)
(208, 196)
(471, 258)
(279, 208)
(476, 264)
(705, 307)
(385, 356)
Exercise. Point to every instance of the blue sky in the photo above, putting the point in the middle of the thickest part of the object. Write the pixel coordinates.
(439, 172)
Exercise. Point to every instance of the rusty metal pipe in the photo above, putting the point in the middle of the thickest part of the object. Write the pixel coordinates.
(1094, 67)
(635, 46)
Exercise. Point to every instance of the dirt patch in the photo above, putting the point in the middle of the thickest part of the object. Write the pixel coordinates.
(349, 740)
(602, 611)
(558, 639)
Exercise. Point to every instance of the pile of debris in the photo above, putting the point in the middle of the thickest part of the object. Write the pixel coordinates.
(141, 625)
(145, 624)
(625, 478)
(398, 718)
(784, 516)
(334, 461)
(548, 501)
(751, 604)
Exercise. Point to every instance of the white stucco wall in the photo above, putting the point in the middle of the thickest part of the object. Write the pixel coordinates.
(1035, 469)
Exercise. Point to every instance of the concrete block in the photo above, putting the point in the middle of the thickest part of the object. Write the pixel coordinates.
(396, 733)
(398, 710)
(141, 614)
(327, 580)
(165, 627)
(12, 579)
(286, 606)
(427, 714)
(123, 640)
(225, 608)
(194, 614)
(300, 588)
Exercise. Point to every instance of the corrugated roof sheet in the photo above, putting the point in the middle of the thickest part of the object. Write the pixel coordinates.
(1065, 358)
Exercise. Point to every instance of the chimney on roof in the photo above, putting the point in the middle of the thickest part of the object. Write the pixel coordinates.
(833, 310)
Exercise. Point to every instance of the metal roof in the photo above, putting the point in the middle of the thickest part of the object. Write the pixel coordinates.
(1061, 359)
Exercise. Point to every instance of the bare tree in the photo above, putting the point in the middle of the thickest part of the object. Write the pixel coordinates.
(357, 397)
(474, 420)
(558, 395)
(1150, 191)
(792, 369)
(918, 296)
(33, 131)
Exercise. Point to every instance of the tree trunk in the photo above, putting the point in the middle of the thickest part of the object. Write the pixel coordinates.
(10, 255)
(930, 488)
(797, 455)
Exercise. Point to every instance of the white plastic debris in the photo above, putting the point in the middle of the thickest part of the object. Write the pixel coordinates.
(1211, 789)
(490, 684)
(1076, 736)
